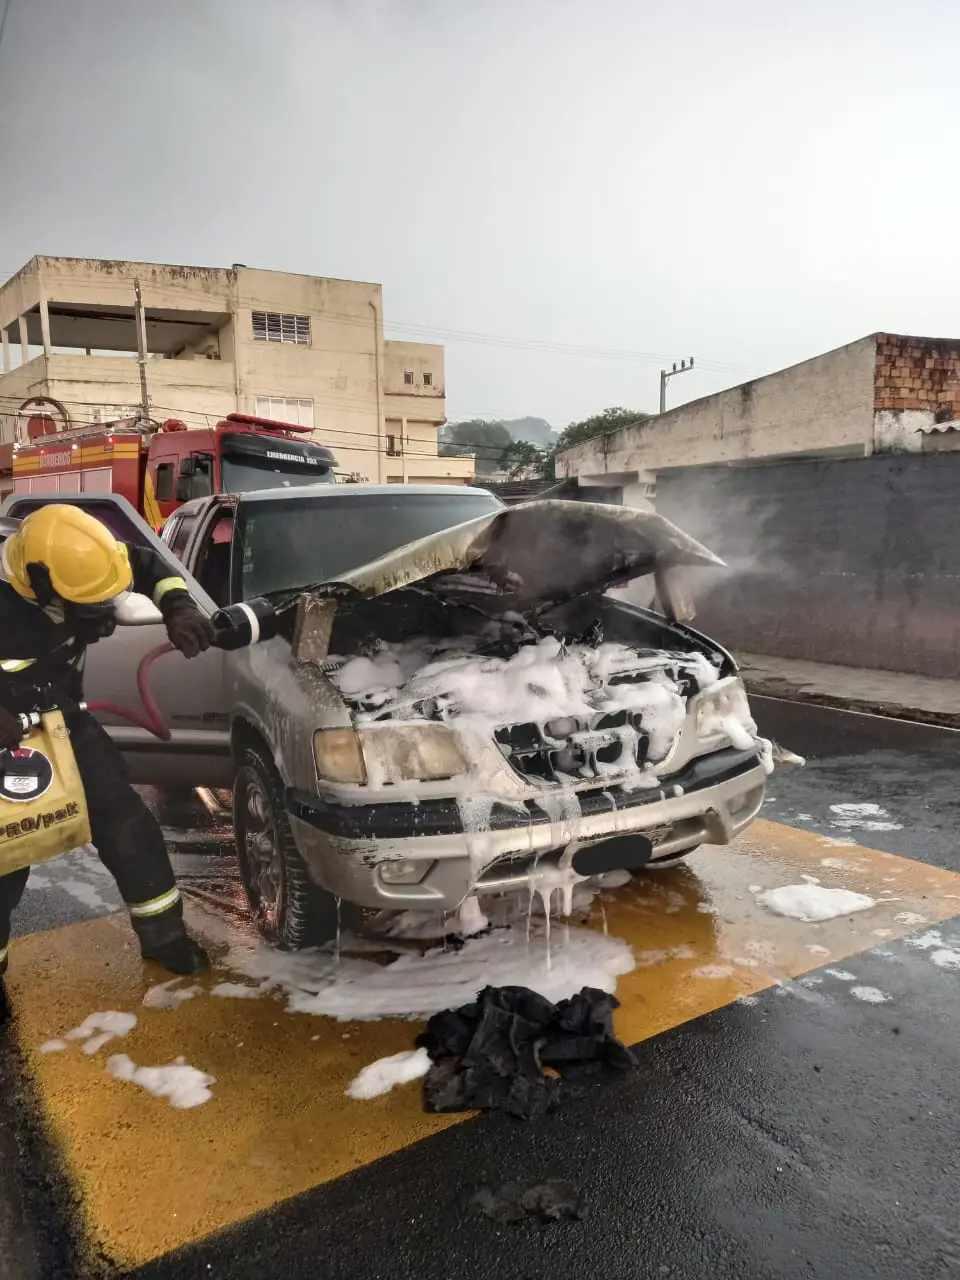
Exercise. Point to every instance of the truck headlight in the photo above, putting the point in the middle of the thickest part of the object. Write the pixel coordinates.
(717, 708)
(387, 754)
(338, 756)
(410, 753)
(727, 700)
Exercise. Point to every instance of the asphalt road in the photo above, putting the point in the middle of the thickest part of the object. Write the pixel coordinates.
(793, 1118)
(908, 770)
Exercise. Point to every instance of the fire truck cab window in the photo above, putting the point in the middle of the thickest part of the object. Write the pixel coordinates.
(196, 477)
(164, 485)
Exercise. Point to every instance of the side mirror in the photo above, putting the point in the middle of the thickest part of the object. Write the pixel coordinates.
(183, 491)
(188, 466)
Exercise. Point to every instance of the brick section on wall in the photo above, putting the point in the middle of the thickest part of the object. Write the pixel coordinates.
(918, 373)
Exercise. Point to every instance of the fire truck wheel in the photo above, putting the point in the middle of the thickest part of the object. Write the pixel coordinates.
(289, 910)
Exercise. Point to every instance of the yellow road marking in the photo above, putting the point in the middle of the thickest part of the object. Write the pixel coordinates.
(706, 908)
(152, 1179)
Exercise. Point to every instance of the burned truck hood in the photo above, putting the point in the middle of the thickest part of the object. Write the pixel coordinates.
(535, 555)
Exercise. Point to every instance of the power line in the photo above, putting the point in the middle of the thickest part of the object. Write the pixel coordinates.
(467, 336)
(344, 404)
(201, 420)
(3, 18)
(329, 434)
(211, 419)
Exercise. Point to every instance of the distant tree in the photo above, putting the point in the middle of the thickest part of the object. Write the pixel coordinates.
(487, 440)
(524, 461)
(526, 448)
(534, 430)
(609, 420)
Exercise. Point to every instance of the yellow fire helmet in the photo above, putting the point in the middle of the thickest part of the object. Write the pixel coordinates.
(87, 565)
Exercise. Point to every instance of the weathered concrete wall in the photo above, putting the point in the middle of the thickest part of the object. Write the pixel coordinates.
(852, 561)
(822, 406)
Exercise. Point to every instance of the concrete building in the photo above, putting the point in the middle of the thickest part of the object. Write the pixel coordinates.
(887, 393)
(304, 349)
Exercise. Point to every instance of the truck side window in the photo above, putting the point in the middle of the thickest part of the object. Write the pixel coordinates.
(178, 543)
(212, 568)
(164, 485)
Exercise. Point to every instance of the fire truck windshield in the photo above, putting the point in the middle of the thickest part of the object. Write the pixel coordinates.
(242, 474)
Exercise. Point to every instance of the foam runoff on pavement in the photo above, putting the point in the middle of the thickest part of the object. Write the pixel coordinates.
(386, 1073)
(813, 903)
(182, 1085)
(417, 984)
(865, 817)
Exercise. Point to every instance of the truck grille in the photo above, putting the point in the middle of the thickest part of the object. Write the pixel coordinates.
(575, 750)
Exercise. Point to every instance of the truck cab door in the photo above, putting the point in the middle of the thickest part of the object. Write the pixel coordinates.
(190, 694)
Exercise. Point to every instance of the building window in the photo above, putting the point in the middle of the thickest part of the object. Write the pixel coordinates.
(284, 409)
(408, 378)
(272, 326)
(428, 379)
(394, 446)
(164, 486)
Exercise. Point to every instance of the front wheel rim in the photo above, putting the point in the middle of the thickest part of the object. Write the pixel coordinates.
(263, 862)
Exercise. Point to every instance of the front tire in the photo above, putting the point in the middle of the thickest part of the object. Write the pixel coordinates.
(289, 910)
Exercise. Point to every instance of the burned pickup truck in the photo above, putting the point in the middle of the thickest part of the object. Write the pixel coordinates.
(454, 705)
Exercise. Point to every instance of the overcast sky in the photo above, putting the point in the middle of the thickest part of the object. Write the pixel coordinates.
(746, 181)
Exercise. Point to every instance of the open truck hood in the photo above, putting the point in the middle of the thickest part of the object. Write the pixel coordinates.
(535, 555)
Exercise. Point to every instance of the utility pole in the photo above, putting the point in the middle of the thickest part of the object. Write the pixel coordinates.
(666, 375)
(142, 354)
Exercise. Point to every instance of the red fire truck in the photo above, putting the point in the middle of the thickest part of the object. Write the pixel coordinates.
(156, 468)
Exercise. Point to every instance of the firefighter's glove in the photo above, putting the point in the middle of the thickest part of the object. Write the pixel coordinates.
(188, 629)
(11, 730)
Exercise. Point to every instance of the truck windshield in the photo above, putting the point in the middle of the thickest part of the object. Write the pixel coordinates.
(241, 475)
(285, 545)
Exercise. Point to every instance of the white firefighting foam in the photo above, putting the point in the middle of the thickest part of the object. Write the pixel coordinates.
(541, 683)
(182, 1085)
(416, 985)
(557, 687)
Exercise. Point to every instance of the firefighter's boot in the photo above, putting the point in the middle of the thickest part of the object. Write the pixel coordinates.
(179, 955)
(164, 939)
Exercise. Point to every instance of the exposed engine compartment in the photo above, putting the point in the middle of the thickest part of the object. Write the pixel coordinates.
(563, 703)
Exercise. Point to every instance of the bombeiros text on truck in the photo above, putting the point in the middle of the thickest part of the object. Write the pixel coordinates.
(157, 467)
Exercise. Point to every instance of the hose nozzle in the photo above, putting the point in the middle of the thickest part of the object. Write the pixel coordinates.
(240, 625)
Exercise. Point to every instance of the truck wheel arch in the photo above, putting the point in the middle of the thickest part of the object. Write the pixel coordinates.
(243, 734)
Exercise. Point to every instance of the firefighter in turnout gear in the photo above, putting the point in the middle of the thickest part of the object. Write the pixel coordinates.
(60, 574)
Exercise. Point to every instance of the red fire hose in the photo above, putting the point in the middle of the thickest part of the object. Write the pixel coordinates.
(235, 627)
(150, 716)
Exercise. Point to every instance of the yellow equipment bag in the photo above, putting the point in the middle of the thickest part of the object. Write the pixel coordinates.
(43, 810)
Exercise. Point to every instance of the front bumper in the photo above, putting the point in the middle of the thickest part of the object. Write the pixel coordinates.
(708, 802)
